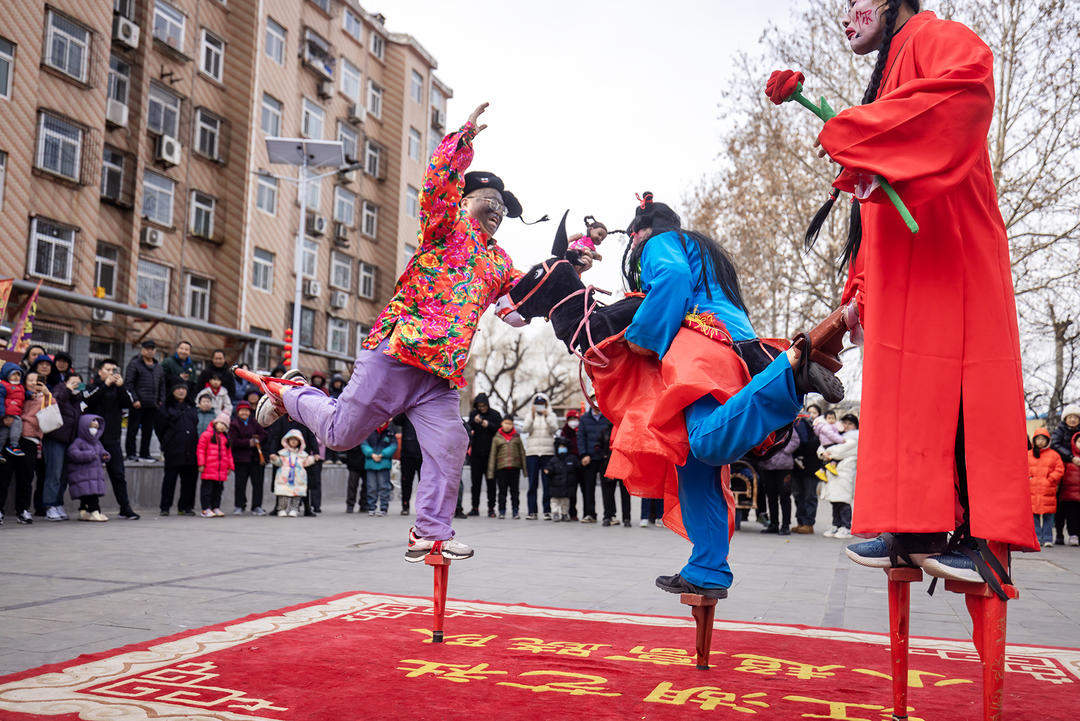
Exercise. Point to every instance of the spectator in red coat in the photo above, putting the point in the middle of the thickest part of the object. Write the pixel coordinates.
(1045, 470)
(1068, 510)
(215, 461)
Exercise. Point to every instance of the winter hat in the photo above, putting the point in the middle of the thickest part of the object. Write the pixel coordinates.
(294, 433)
(573, 413)
(243, 404)
(480, 398)
(478, 180)
(540, 400)
(1070, 410)
(222, 418)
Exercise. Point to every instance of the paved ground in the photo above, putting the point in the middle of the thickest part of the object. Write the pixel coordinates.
(71, 588)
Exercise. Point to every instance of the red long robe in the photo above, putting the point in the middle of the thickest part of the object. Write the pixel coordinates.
(937, 307)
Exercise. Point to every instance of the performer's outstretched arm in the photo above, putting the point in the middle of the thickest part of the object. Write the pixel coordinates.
(721, 433)
(440, 198)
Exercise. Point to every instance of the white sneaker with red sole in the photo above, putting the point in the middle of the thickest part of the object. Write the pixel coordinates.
(420, 547)
(270, 408)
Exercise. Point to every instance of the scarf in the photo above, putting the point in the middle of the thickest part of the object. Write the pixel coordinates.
(508, 436)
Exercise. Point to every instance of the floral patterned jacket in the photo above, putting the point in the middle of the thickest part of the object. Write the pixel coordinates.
(456, 273)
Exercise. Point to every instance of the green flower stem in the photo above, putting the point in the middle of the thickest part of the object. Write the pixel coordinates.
(826, 113)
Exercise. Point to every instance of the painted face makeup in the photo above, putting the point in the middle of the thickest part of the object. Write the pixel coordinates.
(864, 25)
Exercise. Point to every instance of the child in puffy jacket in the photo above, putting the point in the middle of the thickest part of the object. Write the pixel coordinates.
(1068, 509)
(379, 449)
(1045, 470)
(215, 461)
(12, 399)
(561, 472)
(290, 481)
(505, 464)
(85, 468)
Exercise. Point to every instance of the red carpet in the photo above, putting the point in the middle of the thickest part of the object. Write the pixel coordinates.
(369, 656)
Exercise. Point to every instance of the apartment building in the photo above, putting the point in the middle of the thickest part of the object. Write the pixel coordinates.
(134, 180)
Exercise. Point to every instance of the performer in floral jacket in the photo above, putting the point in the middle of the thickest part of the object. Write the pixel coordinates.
(412, 362)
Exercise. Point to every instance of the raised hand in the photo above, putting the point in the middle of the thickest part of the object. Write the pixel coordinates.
(475, 117)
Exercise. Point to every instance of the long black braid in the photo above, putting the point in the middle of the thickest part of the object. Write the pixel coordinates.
(714, 261)
(854, 237)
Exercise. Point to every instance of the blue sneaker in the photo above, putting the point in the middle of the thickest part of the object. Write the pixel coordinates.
(952, 566)
(897, 550)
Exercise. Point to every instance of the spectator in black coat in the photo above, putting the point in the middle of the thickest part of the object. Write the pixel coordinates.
(592, 438)
(146, 384)
(561, 471)
(357, 481)
(483, 425)
(313, 500)
(179, 368)
(29, 359)
(68, 397)
(411, 460)
(61, 370)
(803, 481)
(246, 438)
(178, 432)
(1061, 438)
(107, 397)
(217, 365)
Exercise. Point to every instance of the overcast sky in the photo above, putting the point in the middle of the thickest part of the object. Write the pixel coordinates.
(590, 101)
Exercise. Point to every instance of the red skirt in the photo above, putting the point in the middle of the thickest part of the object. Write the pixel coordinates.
(644, 398)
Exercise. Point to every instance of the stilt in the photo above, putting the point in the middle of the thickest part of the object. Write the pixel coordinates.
(441, 566)
(900, 580)
(703, 609)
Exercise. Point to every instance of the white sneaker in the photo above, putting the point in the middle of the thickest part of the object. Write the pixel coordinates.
(1047, 544)
(207, 513)
(62, 511)
(98, 516)
(293, 513)
(84, 515)
(1074, 540)
(659, 523)
(270, 408)
(843, 533)
(644, 523)
(831, 533)
(420, 547)
(218, 513)
(53, 514)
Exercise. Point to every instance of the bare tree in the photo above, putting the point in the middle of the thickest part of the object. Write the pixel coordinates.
(512, 366)
(768, 184)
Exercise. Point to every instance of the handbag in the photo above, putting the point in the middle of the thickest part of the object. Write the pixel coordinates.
(49, 418)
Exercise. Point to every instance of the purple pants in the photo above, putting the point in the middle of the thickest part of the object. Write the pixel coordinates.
(380, 388)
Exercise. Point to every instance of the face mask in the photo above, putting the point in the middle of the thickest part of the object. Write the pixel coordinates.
(562, 451)
(572, 424)
(93, 431)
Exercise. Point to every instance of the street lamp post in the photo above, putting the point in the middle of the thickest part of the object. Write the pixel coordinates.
(304, 154)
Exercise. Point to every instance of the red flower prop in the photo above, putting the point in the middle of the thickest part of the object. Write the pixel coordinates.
(782, 85)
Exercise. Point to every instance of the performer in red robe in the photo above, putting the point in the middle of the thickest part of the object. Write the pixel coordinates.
(943, 442)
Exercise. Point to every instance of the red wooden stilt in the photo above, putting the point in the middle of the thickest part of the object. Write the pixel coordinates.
(703, 610)
(900, 580)
(988, 620)
(441, 566)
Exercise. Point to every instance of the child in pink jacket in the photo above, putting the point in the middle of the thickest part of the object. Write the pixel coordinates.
(215, 461)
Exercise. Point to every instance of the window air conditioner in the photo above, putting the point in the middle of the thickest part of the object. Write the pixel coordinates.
(167, 150)
(312, 288)
(338, 299)
(150, 237)
(125, 31)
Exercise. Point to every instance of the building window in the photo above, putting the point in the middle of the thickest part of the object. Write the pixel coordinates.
(412, 202)
(157, 202)
(119, 80)
(353, 25)
(105, 262)
(371, 220)
(271, 116)
(433, 144)
(349, 140)
(202, 214)
(266, 194)
(51, 249)
(307, 325)
(259, 354)
(152, 285)
(67, 47)
(416, 142)
(3, 176)
(323, 5)
(112, 174)
(212, 56)
(344, 206)
(125, 8)
(59, 146)
(262, 270)
(372, 159)
(312, 120)
(197, 297)
(409, 250)
(309, 258)
(169, 25)
(275, 42)
(362, 332)
(317, 54)
(378, 45)
(350, 81)
(374, 99)
(7, 67)
(163, 111)
(367, 280)
(340, 271)
(207, 134)
(313, 188)
(416, 87)
(337, 335)
(52, 340)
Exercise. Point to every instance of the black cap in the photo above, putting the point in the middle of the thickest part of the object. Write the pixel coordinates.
(658, 216)
(149, 344)
(480, 179)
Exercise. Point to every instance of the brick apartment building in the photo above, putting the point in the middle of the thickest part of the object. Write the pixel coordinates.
(134, 179)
